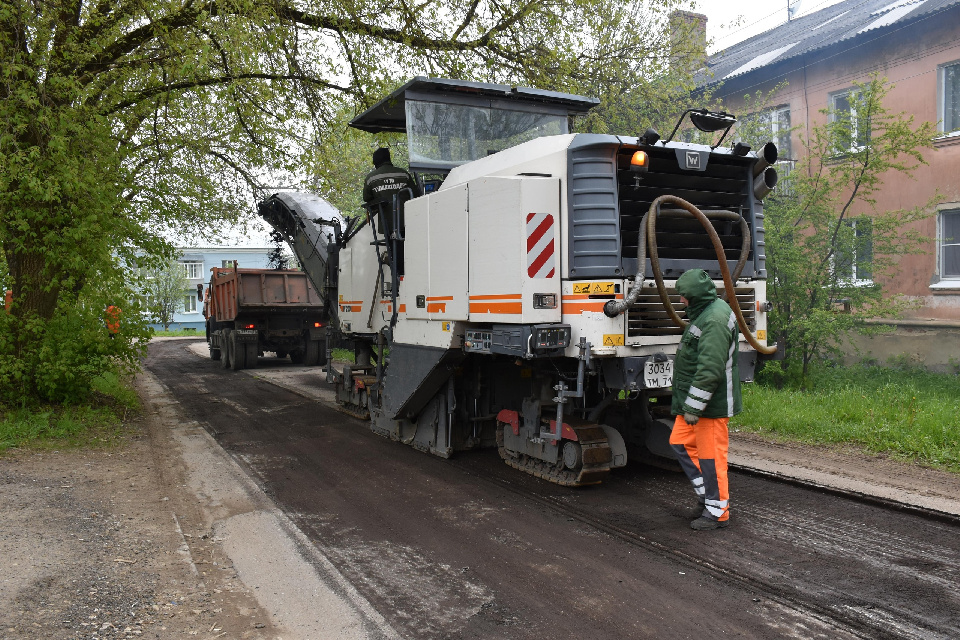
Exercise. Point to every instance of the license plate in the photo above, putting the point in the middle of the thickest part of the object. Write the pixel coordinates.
(658, 374)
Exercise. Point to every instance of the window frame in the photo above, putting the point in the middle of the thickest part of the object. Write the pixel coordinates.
(853, 279)
(942, 99)
(855, 137)
(190, 296)
(953, 280)
(191, 266)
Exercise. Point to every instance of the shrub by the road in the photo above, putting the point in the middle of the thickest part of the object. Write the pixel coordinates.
(96, 422)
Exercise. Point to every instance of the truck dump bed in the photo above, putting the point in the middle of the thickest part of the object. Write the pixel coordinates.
(235, 291)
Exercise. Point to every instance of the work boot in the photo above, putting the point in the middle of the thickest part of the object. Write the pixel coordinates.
(699, 510)
(706, 524)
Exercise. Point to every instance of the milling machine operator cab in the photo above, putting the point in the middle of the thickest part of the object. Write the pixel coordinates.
(451, 122)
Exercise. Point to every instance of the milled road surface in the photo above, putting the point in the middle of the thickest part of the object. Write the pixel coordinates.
(469, 548)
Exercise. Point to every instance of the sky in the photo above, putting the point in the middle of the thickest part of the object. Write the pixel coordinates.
(731, 21)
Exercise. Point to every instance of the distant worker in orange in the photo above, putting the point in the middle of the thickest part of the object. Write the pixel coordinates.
(706, 393)
(111, 318)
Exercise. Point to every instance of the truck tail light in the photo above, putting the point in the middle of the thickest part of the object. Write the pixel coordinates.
(249, 326)
(317, 325)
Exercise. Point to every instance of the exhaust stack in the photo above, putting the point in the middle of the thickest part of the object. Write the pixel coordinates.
(768, 155)
(765, 182)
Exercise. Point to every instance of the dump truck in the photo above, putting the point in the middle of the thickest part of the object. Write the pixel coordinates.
(252, 311)
(523, 295)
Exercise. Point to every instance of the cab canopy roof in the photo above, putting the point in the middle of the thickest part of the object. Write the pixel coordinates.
(451, 122)
(390, 113)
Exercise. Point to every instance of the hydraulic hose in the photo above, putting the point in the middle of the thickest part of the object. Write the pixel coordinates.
(648, 235)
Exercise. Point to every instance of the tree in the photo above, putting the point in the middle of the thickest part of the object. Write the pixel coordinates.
(164, 287)
(119, 120)
(829, 248)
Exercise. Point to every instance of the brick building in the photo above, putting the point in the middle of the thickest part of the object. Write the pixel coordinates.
(915, 45)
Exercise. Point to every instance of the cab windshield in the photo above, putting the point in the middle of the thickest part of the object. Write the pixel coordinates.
(443, 136)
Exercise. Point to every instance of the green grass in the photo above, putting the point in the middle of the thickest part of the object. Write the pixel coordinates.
(907, 413)
(173, 333)
(97, 423)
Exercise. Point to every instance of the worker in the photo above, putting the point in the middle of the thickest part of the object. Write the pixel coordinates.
(111, 318)
(385, 180)
(706, 393)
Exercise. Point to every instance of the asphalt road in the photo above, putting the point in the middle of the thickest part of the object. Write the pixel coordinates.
(469, 548)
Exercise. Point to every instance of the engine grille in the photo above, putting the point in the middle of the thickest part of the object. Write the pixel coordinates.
(648, 317)
(723, 186)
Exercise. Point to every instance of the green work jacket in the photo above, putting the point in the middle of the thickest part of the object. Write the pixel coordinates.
(706, 376)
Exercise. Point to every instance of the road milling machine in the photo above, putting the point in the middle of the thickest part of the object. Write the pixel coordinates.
(523, 297)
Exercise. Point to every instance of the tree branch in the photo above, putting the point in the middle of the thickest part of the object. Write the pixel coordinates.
(207, 82)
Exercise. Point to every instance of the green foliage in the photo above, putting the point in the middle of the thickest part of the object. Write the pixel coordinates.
(98, 422)
(121, 121)
(907, 412)
(826, 224)
(164, 286)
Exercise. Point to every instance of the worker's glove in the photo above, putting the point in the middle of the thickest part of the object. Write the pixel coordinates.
(691, 419)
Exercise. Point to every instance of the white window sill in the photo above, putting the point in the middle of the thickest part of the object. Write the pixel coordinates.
(946, 284)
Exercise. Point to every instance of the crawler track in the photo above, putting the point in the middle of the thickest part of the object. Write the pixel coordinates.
(595, 452)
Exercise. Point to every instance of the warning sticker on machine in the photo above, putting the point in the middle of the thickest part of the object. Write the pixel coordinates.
(594, 287)
(612, 340)
(761, 334)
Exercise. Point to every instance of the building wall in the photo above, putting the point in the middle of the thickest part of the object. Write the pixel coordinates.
(909, 58)
(209, 257)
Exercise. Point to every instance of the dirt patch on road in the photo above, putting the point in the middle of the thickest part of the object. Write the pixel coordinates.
(106, 544)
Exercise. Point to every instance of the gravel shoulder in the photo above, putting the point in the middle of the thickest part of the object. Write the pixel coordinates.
(165, 536)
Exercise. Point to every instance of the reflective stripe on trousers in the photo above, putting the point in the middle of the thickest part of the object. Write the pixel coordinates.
(702, 452)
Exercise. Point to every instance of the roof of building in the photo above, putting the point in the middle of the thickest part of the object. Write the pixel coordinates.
(851, 22)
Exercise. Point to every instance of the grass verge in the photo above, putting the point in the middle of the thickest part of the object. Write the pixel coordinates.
(97, 423)
(178, 333)
(907, 413)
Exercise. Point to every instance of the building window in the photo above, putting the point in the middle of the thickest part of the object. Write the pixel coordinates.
(193, 269)
(853, 259)
(228, 264)
(950, 97)
(843, 112)
(190, 303)
(772, 125)
(949, 244)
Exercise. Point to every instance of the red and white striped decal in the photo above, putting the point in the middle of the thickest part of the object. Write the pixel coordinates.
(540, 237)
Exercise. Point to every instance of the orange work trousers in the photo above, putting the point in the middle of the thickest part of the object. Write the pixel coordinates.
(702, 452)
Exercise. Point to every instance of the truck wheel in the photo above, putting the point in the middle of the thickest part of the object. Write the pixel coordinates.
(252, 354)
(238, 354)
(214, 353)
(225, 355)
(311, 354)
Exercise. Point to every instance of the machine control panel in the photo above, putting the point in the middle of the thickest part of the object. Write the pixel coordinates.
(477, 341)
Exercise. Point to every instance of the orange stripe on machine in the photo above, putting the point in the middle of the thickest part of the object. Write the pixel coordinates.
(499, 296)
(496, 307)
